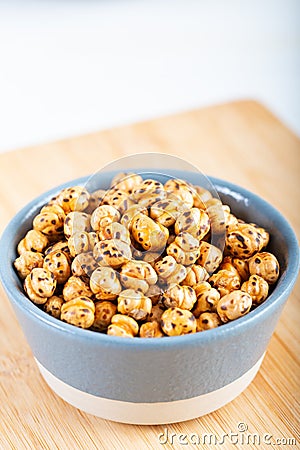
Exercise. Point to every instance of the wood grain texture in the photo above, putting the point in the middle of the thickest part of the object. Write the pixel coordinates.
(241, 142)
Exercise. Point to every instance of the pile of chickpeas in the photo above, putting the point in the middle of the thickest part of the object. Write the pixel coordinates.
(137, 259)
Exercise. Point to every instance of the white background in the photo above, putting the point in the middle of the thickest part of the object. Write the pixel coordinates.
(70, 67)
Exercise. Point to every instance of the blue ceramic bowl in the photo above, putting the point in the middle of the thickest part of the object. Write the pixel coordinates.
(153, 381)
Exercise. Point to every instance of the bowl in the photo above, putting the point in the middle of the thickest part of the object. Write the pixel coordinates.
(153, 381)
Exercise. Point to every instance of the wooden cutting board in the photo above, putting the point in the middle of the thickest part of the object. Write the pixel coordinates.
(241, 142)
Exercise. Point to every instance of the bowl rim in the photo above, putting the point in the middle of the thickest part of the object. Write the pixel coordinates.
(16, 297)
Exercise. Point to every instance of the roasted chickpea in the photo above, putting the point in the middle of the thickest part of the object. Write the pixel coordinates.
(176, 322)
(53, 200)
(181, 190)
(156, 313)
(225, 281)
(242, 267)
(82, 242)
(210, 257)
(176, 277)
(55, 208)
(257, 287)
(128, 216)
(227, 264)
(118, 199)
(104, 283)
(230, 220)
(151, 330)
(200, 196)
(167, 211)
(183, 297)
(78, 243)
(28, 261)
(79, 312)
(50, 221)
(208, 321)
(74, 198)
(134, 304)
(104, 311)
(195, 274)
(243, 241)
(137, 275)
(149, 234)
(93, 239)
(265, 265)
(123, 326)
(76, 222)
(264, 234)
(76, 287)
(166, 266)
(169, 271)
(186, 241)
(185, 249)
(83, 265)
(95, 200)
(207, 298)
(53, 306)
(126, 182)
(234, 305)
(194, 221)
(112, 253)
(115, 230)
(148, 193)
(103, 216)
(61, 246)
(34, 241)
(39, 285)
(217, 216)
(58, 264)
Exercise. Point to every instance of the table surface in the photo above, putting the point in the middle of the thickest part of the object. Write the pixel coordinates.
(241, 142)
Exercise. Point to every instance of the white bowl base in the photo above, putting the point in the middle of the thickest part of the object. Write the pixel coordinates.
(150, 413)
